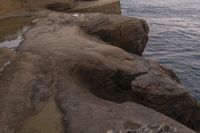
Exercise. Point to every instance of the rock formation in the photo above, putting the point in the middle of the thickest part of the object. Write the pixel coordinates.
(89, 6)
(72, 72)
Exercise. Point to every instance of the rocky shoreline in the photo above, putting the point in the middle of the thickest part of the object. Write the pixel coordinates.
(80, 70)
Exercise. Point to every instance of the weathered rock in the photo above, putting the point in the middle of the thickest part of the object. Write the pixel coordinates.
(130, 34)
(14, 5)
(28, 87)
(162, 128)
(95, 85)
(81, 63)
(101, 6)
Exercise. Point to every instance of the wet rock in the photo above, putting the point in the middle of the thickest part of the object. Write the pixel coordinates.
(11, 26)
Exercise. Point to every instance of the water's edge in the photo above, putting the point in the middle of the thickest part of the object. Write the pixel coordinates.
(174, 35)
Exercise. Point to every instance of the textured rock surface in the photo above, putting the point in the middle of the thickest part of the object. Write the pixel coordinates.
(58, 61)
(86, 84)
(101, 6)
(162, 128)
(130, 34)
(28, 87)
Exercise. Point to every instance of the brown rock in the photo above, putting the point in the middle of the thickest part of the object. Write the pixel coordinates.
(81, 63)
(91, 6)
(101, 6)
(94, 85)
(130, 34)
(9, 5)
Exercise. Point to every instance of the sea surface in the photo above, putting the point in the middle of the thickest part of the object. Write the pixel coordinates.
(174, 35)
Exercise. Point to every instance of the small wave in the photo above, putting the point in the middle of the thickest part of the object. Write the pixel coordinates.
(174, 35)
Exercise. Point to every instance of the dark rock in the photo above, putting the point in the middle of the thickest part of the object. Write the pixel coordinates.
(130, 34)
(100, 6)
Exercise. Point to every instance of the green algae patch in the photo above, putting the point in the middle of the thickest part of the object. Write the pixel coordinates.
(10, 26)
(49, 120)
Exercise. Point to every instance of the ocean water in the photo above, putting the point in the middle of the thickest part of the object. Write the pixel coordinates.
(174, 35)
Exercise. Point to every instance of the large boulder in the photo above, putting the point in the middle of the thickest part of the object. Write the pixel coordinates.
(130, 34)
(62, 79)
(106, 71)
(40, 92)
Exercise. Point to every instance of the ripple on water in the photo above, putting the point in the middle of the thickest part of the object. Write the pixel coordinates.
(174, 35)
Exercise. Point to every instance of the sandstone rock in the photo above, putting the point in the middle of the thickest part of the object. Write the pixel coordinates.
(130, 34)
(93, 84)
(9, 5)
(101, 6)
(28, 87)
(14, 5)
(83, 65)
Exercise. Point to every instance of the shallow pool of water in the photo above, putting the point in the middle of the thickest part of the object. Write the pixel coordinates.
(14, 40)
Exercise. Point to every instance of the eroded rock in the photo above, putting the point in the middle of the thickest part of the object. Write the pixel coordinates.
(89, 6)
(162, 128)
(85, 65)
(95, 85)
(100, 6)
(130, 34)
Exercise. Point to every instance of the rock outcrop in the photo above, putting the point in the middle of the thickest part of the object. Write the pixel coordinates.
(66, 68)
(46, 69)
(130, 34)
